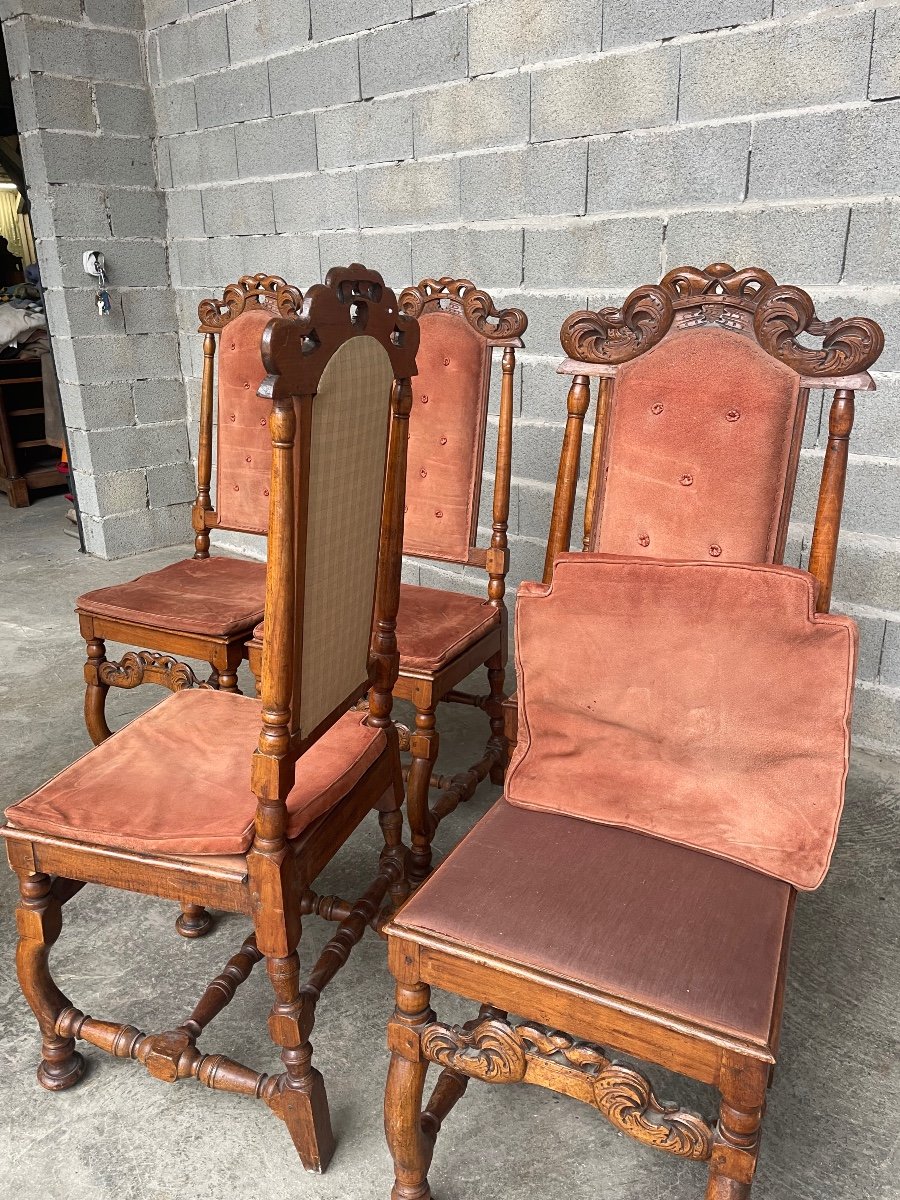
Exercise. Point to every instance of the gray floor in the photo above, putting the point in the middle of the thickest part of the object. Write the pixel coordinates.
(833, 1126)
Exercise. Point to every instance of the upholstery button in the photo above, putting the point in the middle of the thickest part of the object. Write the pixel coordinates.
(262, 422)
(732, 415)
(438, 513)
(644, 539)
(246, 386)
(233, 346)
(686, 480)
(232, 417)
(236, 488)
(446, 362)
(424, 399)
(656, 409)
(265, 491)
(423, 472)
(248, 459)
(406, 508)
(715, 551)
(443, 441)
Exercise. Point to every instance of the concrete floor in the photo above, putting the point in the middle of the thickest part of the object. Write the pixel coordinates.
(833, 1126)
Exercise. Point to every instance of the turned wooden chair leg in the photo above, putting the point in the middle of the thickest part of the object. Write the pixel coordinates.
(304, 1101)
(95, 693)
(194, 922)
(410, 1149)
(228, 680)
(423, 745)
(390, 818)
(494, 709)
(736, 1145)
(39, 921)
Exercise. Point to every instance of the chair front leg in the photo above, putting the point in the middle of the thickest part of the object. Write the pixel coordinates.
(194, 922)
(39, 921)
(410, 1149)
(423, 746)
(736, 1144)
(494, 708)
(228, 680)
(95, 692)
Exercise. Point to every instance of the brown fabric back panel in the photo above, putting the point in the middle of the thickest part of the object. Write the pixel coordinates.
(704, 703)
(347, 457)
(446, 438)
(698, 451)
(244, 451)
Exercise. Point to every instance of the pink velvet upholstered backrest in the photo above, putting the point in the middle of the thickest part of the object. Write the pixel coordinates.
(459, 328)
(704, 703)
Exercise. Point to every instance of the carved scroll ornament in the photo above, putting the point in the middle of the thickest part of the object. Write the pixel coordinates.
(147, 666)
(848, 346)
(271, 292)
(615, 335)
(462, 296)
(486, 1050)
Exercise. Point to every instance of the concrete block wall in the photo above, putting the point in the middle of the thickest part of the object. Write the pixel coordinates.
(85, 113)
(558, 156)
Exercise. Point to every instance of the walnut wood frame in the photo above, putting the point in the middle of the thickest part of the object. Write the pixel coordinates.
(272, 884)
(751, 303)
(159, 661)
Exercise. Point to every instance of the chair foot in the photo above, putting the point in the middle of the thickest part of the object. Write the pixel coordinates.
(194, 921)
(61, 1066)
(95, 692)
(306, 1114)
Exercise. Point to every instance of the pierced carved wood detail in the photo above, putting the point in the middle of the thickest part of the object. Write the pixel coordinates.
(749, 301)
(497, 1052)
(147, 666)
(463, 297)
(271, 292)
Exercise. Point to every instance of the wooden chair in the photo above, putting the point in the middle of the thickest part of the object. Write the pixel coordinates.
(443, 636)
(202, 608)
(247, 830)
(684, 746)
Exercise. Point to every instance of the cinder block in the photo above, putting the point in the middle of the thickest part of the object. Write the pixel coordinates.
(137, 446)
(873, 245)
(620, 91)
(129, 14)
(775, 67)
(802, 246)
(67, 10)
(330, 20)
(163, 162)
(475, 114)
(370, 131)
(317, 77)
(629, 22)
(159, 400)
(293, 257)
(161, 12)
(129, 263)
(75, 212)
(108, 359)
(124, 109)
(606, 253)
(72, 312)
(321, 201)
(185, 213)
(419, 53)
(668, 168)
(871, 641)
(240, 94)
(867, 570)
(876, 429)
(193, 47)
(544, 393)
(171, 484)
(848, 152)
(493, 257)
(100, 495)
(149, 310)
(876, 718)
(125, 534)
(176, 107)
(386, 252)
(94, 406)
(543, 180)
(496, 381)
(890, 655)
(84, 52)
(872, 498)
(884, 81)
(137, 213)
(208, 263)
(535, 511)
(203, 157)
(77, 158)
(262, 28)
(277, 146)
(510, 33)
(546, 314)
(238, 208)
(410, 193)
(58, 103)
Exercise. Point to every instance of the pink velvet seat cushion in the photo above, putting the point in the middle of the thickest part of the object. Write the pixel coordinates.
(628, 915)
(177, 779)
(215, 596)
(707, 704)
(434, 626)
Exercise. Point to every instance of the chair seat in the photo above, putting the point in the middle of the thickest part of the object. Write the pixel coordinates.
(631, 916)
(434, 626)
(216, 597)
(177, 779)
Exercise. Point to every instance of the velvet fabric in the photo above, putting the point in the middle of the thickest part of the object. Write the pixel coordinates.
(214, 596)
(177, 779)
(703, 703)
(446, 438)
(628, 915)
(434, 626)
(698, 458)
(244, 443)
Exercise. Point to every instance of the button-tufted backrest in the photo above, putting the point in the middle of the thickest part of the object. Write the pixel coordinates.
(700, 451)
(244, 445)
(446, 438)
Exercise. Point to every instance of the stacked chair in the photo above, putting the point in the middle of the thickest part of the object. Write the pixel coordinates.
(682, 744)
(213, 798)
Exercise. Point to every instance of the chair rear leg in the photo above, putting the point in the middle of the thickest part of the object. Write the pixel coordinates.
(304, 1100)
(736, 1144)
(410, 1148)
(95, 692)
(423, 745)
(39, 921)
(494, 708)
